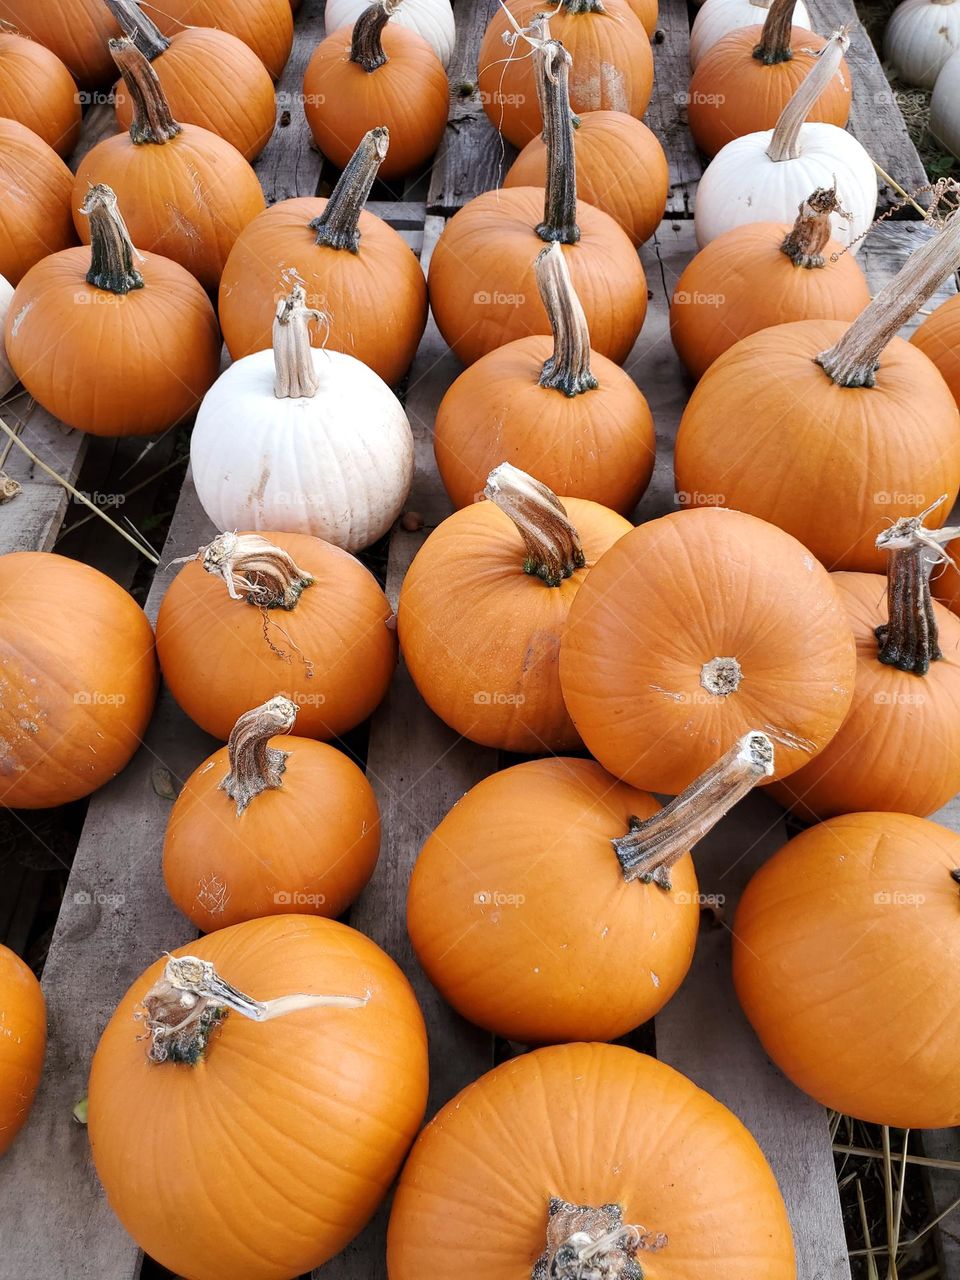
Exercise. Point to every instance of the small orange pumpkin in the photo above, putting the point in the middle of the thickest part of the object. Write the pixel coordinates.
(35, 215)
(38, 90)
(265, 25)
(939, 338)
(290, 614)
(23, 1018)
(648, 11)
(269, 826)
(77, 31)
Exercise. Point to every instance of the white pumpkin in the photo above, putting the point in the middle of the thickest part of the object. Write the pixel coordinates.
(945, 107)
(764, 177)
(8, 379)
(717, 18)
(922, 35)
(432, 19)
(302, 440)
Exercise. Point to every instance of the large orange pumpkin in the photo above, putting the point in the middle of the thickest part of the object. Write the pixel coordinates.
(142, 322)
(77, 31)
(38, 90)
(946, 585)
(832, 436)
(555, 408)
(648, 11)
(259, 1139)
(621, 168)
(589, 1154)
(35, 215)
(377, 73)
(187, 193)
(23, 1019)
(848, 937)
(265, 25)
(284, 613)
(612, 62)
(80, 676)
(939, 338)
(696, 629)
(762, 274)
(269, 826)
(483, 605)
(353, 266)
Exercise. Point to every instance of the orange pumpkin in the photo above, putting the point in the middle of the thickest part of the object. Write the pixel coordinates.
(259, 1138)
(209, 78)
(762, 274)
(77, 31)
(142, 322)
(621, 168)
(79, 669)
(290, 614)
(371, 75)
(353, 266)
(946, 585)
(938, 337)
(521, 916)
(612, 62)
(265, 25)
(651, 1165)
(554, 407)
(38, 90)
(695, 629)
(23, 1017)
(269, 826)
(160, 165)
(483, 605)
(854, 917)
(648, 11)
(35, 216)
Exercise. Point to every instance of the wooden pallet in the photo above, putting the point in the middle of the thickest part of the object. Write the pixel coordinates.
(54, 1219)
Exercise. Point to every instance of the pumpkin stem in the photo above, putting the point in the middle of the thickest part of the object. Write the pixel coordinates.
(190, 1001)
(338, 226)
(255, 766)
(568, 369)
(909, 639)
(811, 232)
(552, 544)
(152, 121)
(583, 6)
(111, 249)
(584, 1243)
(366, 45)
(650, 848)
(775, 42)
(136, 26)
(295, 375)
(255, 570)
(552, 63)
(785, 143)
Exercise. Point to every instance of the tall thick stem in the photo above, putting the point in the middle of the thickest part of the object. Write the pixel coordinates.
(775, 43)
(810, 234)
(295, 375)
(254, 765)
(136, 26)
(111, 249)
(652, 847)
(338, 226)
(583, 1241)
(568, 369)
(255, 570)
(785, 143)
(152, 121)
(553, 64)
(366, 44)
(552, 544)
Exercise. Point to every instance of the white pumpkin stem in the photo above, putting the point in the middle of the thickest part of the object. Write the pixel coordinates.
(152, 121)
(811, 232)
(785, 143)
(552, 544)
(139, 28)
(568, 369)
(775, 42)
(584, 1243)
(338, 226)
(855, 359)
(552, 63)
(295, 375)
(254, 765)
(111, 249)
(366, 44)
(651, 847)
(189, 1002)
(254, 570)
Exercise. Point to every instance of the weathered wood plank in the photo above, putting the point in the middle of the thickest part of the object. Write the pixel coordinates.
(290, 164)
(666, 115)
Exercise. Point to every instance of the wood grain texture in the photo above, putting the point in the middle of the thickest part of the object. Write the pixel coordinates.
(290, 164)
(667, 113)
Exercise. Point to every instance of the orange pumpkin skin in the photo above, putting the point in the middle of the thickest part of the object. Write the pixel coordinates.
(733, 94)
(483, 290)
(38, 90)
(821, 460)
(299, 1175)
(377, 297)
(265, 25)
(612, 66)
(218, 663)
(741, 283)
(939, 338)
(307, 847)
(23, 1019)
(621, 168)
(520, 915)
(594, 1124)
(77, 31)
(636, 652)
(481, 637)
(876, 890)
(214, 80)
(409, 94)
(36, 217)
(79, 667)
(945, 585)
(648, 11)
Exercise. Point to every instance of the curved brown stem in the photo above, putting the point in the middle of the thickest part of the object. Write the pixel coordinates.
(775, 43)
(785, 143)
(552, 63)
(254, 765)
(811, 232)
(255, 570)
(111, 249)
(586, 1241)
(136, 26)
(338, 226)
(152, 121)
(366, 44)
(295, 375)
(568, 368)
(552, 544)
